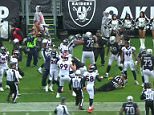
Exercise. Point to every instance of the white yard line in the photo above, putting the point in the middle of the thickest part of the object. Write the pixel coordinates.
(50, 106)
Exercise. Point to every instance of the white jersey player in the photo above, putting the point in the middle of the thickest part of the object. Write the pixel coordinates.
(63, 45)
(64, 64)
(4, 55)
(53, 78)
(127, 59)
(90, 77)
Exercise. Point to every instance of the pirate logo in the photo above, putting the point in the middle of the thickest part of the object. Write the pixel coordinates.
(82, 11)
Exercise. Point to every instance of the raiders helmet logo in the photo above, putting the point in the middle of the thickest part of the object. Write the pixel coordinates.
(82, 11)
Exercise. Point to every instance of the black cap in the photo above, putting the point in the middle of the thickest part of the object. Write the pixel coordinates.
(63, 99)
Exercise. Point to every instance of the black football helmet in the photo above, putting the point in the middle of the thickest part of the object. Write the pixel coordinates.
(53, 53)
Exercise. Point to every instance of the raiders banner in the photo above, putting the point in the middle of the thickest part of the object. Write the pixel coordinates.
(87, 14)
(9, 11)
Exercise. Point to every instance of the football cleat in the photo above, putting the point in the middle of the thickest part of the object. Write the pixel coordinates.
(142, 85)
(106, 75)
(73, 94)
(7, 86)
(46, 88)
(58, 95)
(136, 82)
(90, 110)
(81, 108)
(1, 89)
(50, 88)
(40, 70)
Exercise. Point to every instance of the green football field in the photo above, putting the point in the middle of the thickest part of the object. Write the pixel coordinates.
(32, 92)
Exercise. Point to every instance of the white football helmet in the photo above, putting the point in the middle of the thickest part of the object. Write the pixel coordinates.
(130, 98)
(149, 51)
(78, 72)
(89, 34)
(112, 39)
(15, 41)
(44, 41)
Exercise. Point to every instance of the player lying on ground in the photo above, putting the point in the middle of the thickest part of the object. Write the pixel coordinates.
(117, 82)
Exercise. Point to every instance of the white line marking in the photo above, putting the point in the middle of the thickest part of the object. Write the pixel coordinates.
(50, 106)
(4, 113)
(27, 114)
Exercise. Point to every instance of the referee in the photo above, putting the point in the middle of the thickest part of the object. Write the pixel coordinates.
(12, 81)
(148, 96)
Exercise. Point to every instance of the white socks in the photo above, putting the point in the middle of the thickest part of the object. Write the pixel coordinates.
(142, 43)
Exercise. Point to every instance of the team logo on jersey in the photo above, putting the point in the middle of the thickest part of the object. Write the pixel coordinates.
(82, 11)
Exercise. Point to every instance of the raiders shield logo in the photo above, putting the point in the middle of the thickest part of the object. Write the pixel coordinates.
(82, 11)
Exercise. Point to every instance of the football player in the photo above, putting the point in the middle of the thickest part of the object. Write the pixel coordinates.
(115, 51)
(46, 44)
(140, 55)
(12, 80)
(88, 44)
(77, 84)
(127, 59)
(64, 64)
(116, 82)
(53, 78)
(4, 58)
(147, 64)
(79, 65)
(130, 107)
(61, 109)
(63, 45)
(148, 96)
(16, 57)
(90, 77)
(141, 23)
(46, 72)
(17, 47)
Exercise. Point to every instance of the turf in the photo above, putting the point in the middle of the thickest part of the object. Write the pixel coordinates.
(72, 113)
(31, 90)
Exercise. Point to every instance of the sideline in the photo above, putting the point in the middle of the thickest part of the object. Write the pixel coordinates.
(50, 106)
